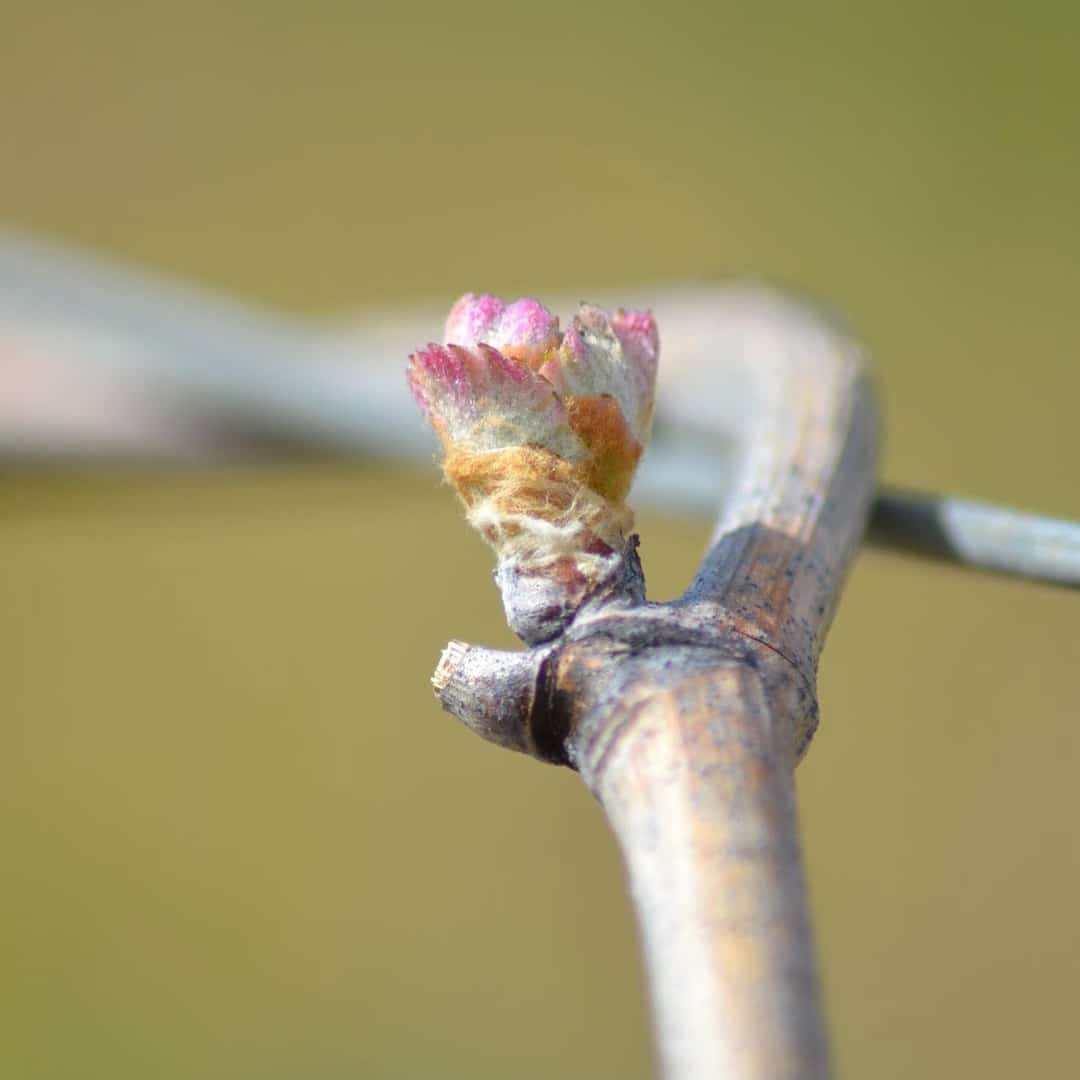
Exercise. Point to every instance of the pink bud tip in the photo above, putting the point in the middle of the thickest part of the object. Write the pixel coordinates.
(637, 334)
(472, 318)
(525, 326)
(438, 371)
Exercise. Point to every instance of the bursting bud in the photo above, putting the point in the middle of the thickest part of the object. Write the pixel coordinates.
(542, 432)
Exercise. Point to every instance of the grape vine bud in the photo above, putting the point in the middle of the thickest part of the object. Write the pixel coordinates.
(542, 432)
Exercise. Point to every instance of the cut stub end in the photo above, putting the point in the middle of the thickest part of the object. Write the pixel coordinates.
(502, 697)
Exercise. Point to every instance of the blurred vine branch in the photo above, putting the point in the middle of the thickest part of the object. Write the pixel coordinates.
(101, 361)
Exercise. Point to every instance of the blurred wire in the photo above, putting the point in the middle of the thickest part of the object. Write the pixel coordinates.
(978, 534)
(98, 358)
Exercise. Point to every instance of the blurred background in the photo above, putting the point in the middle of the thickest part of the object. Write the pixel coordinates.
(239, 839)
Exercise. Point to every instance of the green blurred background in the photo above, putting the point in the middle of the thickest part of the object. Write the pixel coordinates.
(238, 838)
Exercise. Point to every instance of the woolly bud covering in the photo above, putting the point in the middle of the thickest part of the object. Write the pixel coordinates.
(542, 432)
